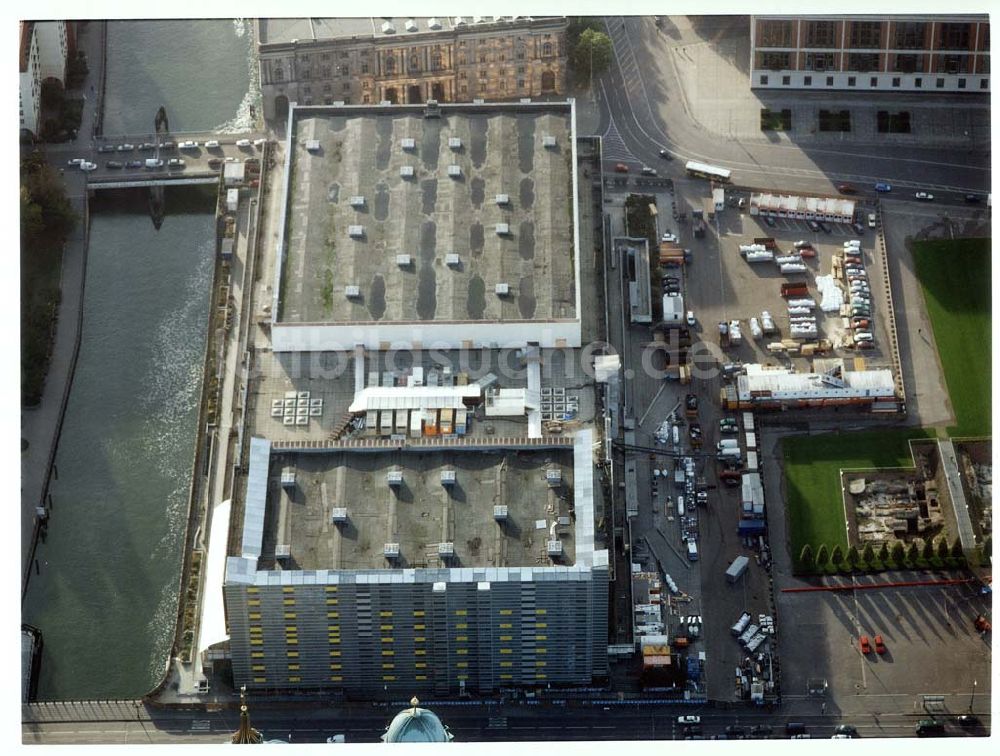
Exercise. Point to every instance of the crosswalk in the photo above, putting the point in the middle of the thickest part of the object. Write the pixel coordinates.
(613, 145)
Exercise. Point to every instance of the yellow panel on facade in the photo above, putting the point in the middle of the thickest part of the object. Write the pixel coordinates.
(290, 615)
(253, 589)
(505, 651)
(387, 640)
(460, 612)
(506, 677)
(506, 612)
(260, 679)
(335, 653)
(418, 613)
(420, 665)
(331, 628)
(256, 641)
(254, 616)
(336, 678)
(331, 589)
(506, 664)
(292, 641)
(333, 615)
(461, 665)
(336, 665)
(541, 637)
(288, 601)
(539, 675)
(541, 624)
(388, 653)
(461, 651)
(388, 678)
(506, 637)
(461, 638)
(541, 611)
(253, 602)
(418, 652)
(293, 667)
(256, 630)
(461, 677)
(541, 650)
(539, 664)
(385, 614)
(292, 654)
(419, 627)
(461, 625)
(334, 639)
(287, 589)
(257, 668)
(505, 626)
(420, 677)
(385, 627)
(332, 601)
(419, 639)
(256, 654)
(388, 665)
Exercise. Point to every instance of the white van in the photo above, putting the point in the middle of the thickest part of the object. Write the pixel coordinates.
(211, 144)
(680, 506)
(692, 551)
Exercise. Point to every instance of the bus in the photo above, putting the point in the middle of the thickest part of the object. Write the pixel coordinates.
(703, 170)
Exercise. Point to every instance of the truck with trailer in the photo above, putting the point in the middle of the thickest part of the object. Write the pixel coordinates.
(794, 289)
(708, 207)
(698, 222)
(741, 624)
(737, 568)
(767, 241)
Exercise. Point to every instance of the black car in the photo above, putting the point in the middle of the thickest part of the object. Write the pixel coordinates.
(825, 226)
(735, 732)
(858, 229)
(106, 148)
(973, 199)
(147, 147)
(813, 226)
(167, 145)
(847, 729)
(133, 164)
(666, 155)
(691, 402)
(671, 279)
(760, 731)
(671, 289)
(968, 720)
(769, 221)
(114, 164)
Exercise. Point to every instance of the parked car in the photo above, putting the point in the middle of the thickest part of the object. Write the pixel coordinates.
(666, 155)
(175, 163)
(212, 144)
(215, 162)
(825, 226)
(883, 187)
(621, 168)
(241, 143)
(858, 228)
(879, 645)
(259, 143)
(76, 161)
(813, 226)
(968, 720)
(106, 148)
(188, 145)
(685, 719)
(134, 164)
(147, 147)
(88, 166)
(769, 221)
(114, 164)
(691, 321)
(802, 244)
(735, 732)
(865, 644)
(847, 729)
(167, 145)
(924, 196)
(846, 189)
(126, 147)
(647, 171)
(973, 199)
(871, 220)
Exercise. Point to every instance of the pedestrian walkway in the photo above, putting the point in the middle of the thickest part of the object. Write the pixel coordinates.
(949, 463)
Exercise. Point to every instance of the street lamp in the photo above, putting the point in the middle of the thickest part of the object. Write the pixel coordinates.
(973, 698)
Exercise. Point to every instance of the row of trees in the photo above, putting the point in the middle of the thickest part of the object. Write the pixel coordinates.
(590, 49)
(930, 554)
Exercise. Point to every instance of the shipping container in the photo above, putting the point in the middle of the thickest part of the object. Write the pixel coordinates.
(447, 421)
(416, 423)
(737, 568)
(371, 423)
(385, 423)
(430, 422)
(402, 424)
(741, 624)
(461, 421)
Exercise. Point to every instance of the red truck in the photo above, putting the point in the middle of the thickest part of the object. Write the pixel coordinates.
(767, 241)
(792, 290)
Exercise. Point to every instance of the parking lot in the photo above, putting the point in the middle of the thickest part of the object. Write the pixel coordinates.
(931, 646)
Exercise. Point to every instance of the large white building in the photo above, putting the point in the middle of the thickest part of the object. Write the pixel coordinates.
(44, 50)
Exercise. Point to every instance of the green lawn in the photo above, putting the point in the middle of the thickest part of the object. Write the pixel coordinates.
(955, 276)
(812, 465)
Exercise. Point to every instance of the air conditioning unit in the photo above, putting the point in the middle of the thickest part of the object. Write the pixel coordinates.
(454, 143)
(503, 229)
(390, 550)
(446, 549)
(433, 23)
(404, 261)
(554, 548)
(455, 171)
(394, 477)
(352, 291)
(502, 289)
(452, 260)
(282, 551)
(338, 514)
(499, 512)
(406, 171)
(388, 28)
(288, 476)
(408, 143)
(448, 477)
(503, 199)
(356, 232)
(548, 141)
(410, 25)
(357, 200)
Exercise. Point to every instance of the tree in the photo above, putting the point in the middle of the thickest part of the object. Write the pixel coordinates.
(868, 554)
(912, 553)
(822, 556)
(591, 55)
(883, 552)
(956, 549)
(807, 561)
(853, 557)
(927, 550)
(896, 552)
(837, 556)
(943, 551)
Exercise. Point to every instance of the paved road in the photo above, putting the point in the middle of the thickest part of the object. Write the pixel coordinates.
(643, 109)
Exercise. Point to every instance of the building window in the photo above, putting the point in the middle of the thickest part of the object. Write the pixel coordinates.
(347, 86)
(520, 84)
(895, 81)
(414, 63)
(364, 68)
(324, 56)
(390, 65)
(786, 80)
(829, 81)
(345, 71)
(954, 36)
(955, 64)
(819, 61)
(852, 81)
(482, 58)
(985, 33)
(763, 80)
(463, 89)
(774, 33)
(482, 74)
(366, 84)
(521, 69)
(918, 82)
(873, 82)
(866, 34)
(279, 75)
(482, 87)
(775, 61)
(502, 57)
(547, 49)
(462, 75)
(820, 33)
(908, 63)
(503, 86)
(961, 83)
(807, 80)
(984, 83)
(940, 84)
(520, 54)
(436, 61)
(862, 62)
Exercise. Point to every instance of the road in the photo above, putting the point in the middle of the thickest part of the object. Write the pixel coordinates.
(634, 129)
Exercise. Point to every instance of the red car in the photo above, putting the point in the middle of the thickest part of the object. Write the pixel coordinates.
(846, 189)
(807, 252)
(866, 646)
(879, 645)
(621, 168)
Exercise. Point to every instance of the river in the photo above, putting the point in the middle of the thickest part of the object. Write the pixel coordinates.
(105, 596)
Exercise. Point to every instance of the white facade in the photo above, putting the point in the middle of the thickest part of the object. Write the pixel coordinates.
(53, 49)
(782, 384)
(834, 209)
(871, 81)
(31, 82)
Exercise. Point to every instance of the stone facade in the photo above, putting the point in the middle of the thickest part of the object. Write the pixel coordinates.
(495, 61)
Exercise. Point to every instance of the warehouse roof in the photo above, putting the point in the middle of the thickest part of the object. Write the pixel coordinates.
(785, 381)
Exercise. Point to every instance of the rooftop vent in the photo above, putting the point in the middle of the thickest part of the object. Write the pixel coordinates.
(288, 476)
(433, 23)
(408, 143)
(503, 199)
(448, 477)
(553, 476)
(282, 551)
(338, 514)
(548, 141)
(459, 21)
(502, 289)
(312, 145)
(452, 260)
(410, 25)
(446, 549)
(406, 171)
(356, 232)
(357, 200)
(390, 550)
(404, 261)
(388, 28)
(554, 548)
(432, 109)
(352, 292)
(455, 143)
(525, 100)
(338, 103)
(394, 477)
(455, 171)
(499, 512)
(503, 229)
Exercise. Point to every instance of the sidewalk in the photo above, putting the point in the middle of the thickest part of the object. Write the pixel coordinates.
(41, 425)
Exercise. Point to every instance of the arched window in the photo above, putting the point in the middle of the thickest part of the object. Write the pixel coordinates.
(548, 81)
(547, 49)
(414, 62)
(390, 65)
(436, 61)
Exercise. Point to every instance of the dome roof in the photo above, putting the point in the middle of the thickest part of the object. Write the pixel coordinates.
(416, 725)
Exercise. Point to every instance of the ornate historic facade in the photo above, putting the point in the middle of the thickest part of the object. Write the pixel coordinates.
(409, 61)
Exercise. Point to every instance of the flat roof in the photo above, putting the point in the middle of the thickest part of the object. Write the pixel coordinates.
(276, 31)
(429, 216)
(421, 513)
